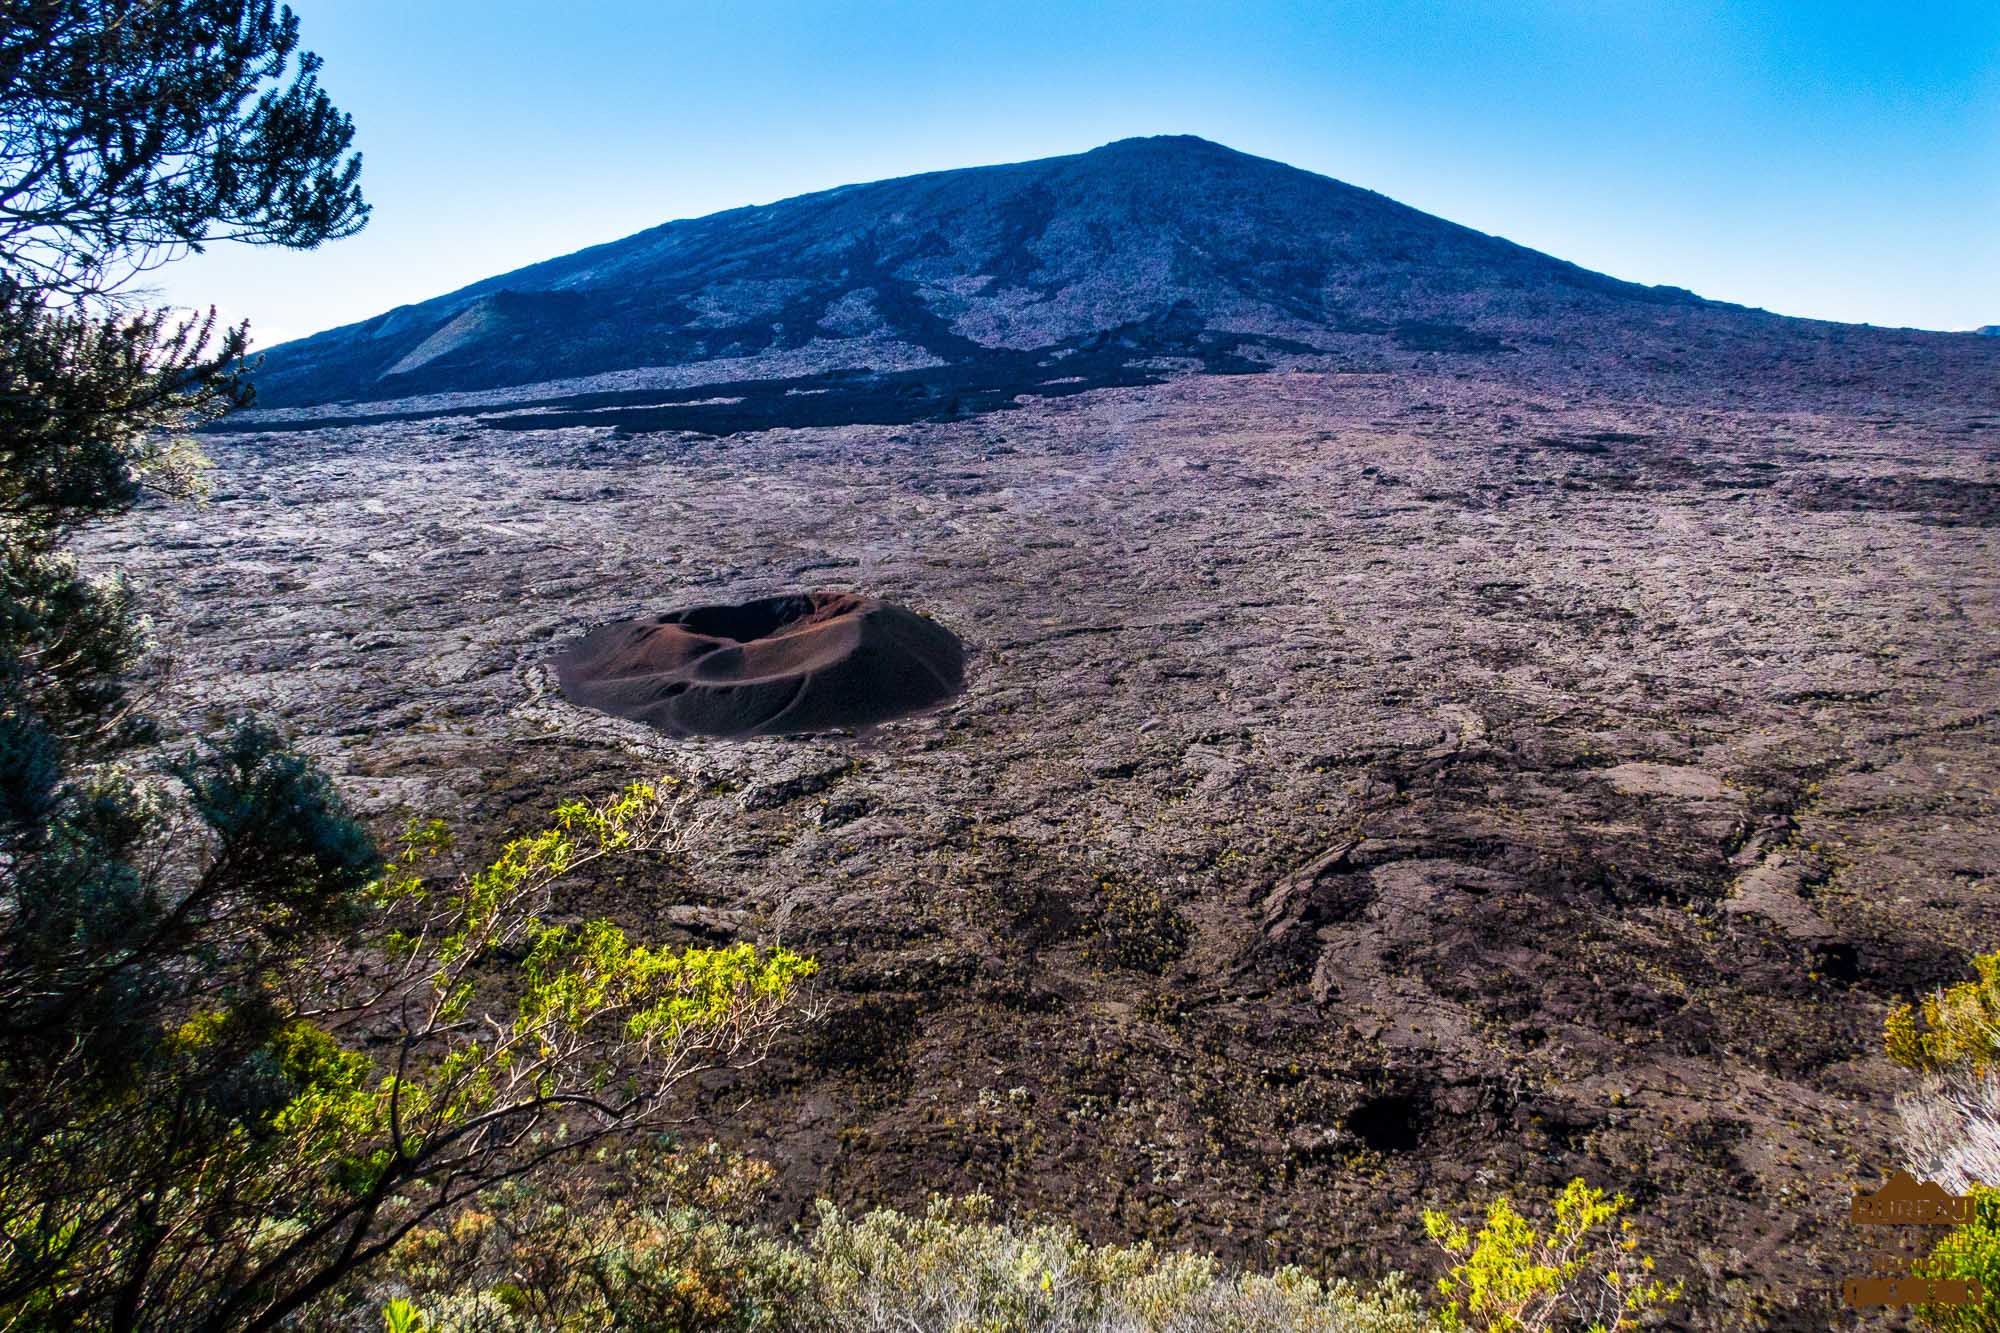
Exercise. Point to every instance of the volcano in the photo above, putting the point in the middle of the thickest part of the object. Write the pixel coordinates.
(772, 667)
(952, 292)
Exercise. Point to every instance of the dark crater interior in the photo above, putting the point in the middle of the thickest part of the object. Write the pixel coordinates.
(771, 667)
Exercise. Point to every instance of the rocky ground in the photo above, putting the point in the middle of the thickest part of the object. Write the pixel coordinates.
(1371, 791)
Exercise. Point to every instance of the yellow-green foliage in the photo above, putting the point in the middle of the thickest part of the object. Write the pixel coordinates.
(1578, 1271)
(1970, 1251)
(588, 1034)
(576, 973)
(592, 1001)
(1959, 1025)
(399, 1316)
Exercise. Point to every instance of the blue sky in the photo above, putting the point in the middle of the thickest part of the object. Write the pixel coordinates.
(1816, 158)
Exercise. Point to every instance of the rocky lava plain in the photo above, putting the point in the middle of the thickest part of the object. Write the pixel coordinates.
(1370, 790)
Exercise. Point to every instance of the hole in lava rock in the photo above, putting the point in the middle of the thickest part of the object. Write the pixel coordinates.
(1840, 961)
(1390, 1122)
(771, 667)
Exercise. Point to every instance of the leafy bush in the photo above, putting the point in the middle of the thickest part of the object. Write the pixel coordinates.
(655, 1242)
(1577, 1272)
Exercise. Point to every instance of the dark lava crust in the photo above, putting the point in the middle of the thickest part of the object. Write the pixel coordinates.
(978, 380)
(1382, 791)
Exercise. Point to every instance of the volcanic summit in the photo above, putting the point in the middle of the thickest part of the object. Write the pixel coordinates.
(953, 292)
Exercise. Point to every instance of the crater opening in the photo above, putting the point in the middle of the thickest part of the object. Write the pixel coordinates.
(745, 623)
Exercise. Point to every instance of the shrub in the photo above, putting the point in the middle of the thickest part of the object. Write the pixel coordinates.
(1957, 1027)
(1577, 1272)
(257, 1159)
(656, 1242)
(951, 1269)
(954, 1270)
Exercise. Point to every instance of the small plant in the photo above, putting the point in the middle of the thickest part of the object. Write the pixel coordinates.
(1580, 1272)
(399, 1316)
(656, 1241)
(1135, 927)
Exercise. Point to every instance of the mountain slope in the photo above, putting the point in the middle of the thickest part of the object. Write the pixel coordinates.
(1201, 247)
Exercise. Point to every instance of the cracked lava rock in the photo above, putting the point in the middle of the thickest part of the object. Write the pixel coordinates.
(771, 667)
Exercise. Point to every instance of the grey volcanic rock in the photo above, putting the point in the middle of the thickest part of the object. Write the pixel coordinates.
(776, 666)
(1532, 781)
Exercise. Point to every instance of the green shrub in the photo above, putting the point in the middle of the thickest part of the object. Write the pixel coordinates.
(657, 1244)
(1578, 1272)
